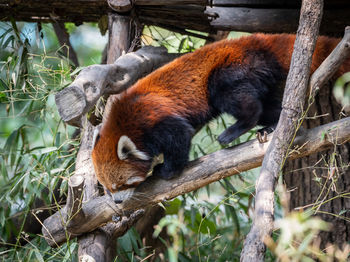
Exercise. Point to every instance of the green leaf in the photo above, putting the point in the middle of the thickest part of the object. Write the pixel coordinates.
(207, 227)
(41, 151)
(173, 207)
(8, 40)
(38, 255)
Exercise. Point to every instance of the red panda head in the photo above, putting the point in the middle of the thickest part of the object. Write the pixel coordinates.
(120, 158)
(119, 164)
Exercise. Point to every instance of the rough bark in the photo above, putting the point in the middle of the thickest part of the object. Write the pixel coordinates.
(121, 32)
(96, 244)
(97, 80)
(295, 91)
(198, 173)
(326, 172)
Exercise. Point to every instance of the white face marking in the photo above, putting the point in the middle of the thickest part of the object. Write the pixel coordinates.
(120, 196)
(135, 179)
(127, 147)
(114, 186)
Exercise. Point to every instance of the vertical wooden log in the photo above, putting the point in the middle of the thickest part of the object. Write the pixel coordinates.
(121, 32)
(92, 246)
(100, 244)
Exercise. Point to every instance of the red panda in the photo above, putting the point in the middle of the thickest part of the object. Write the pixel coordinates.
(160, 113)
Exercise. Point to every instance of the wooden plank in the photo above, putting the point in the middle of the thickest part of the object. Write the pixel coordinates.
(273, 20)
(276, 3)
(171, 2)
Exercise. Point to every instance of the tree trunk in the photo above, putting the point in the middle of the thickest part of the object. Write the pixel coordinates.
(316, 179)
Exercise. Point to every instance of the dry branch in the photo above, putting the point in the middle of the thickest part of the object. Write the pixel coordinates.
(201, 172)
(331, 64)
(295, 91)
(96, 80)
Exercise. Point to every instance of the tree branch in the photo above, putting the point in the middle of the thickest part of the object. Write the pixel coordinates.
(96, 80)
(198, 173)
(295, 91)
(331, 64)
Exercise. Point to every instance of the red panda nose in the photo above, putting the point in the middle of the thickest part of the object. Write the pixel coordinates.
(117, 201)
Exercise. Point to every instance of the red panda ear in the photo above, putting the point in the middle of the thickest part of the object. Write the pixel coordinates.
(134, 180)
(127, 148)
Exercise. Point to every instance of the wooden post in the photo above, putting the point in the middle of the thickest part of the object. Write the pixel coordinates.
(121, 32)
(101, 243)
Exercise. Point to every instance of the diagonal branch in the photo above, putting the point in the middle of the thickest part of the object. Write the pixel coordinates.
(199, 173)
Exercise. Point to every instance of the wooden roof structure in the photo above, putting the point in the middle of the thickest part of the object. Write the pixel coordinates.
(180, 15)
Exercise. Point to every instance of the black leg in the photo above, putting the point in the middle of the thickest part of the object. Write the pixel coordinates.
(247, 111)
(247, 90)
(235, 131)
(172, 137)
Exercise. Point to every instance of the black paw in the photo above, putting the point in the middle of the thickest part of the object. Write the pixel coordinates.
(163, 172)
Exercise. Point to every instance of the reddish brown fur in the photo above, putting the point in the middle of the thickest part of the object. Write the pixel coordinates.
(180, 89)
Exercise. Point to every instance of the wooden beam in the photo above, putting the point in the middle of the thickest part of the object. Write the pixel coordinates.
(270, 16)
(272, 20)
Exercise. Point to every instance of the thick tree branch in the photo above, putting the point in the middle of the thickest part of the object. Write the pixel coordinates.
(199, 173)
(97, 80)
(295, 91)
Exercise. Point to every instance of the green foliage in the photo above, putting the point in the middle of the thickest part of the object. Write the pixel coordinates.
(298, 240)
(37, 153)
(341, 90)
